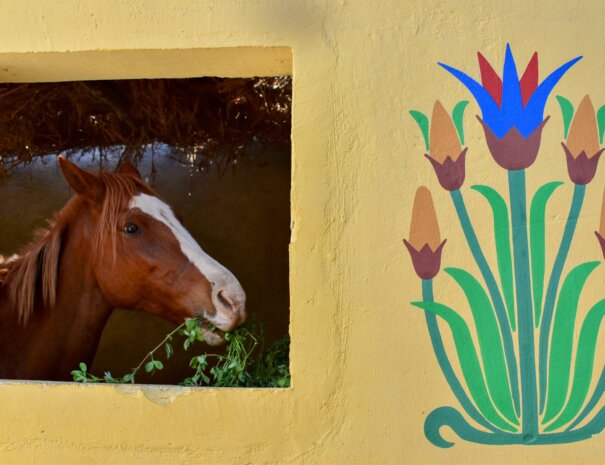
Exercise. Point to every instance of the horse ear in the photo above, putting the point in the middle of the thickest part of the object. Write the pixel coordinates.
(84, 183)
(126, 167)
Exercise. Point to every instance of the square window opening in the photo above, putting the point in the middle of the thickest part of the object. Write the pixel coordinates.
(183, 237)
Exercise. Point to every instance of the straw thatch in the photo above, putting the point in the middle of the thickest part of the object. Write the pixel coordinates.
(215, 117)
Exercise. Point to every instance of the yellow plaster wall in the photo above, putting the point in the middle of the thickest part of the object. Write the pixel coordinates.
(364, 375)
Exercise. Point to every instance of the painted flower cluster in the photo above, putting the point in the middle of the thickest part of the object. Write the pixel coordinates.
(524, 374)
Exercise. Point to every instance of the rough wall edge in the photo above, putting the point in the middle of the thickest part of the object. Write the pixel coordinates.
(99, 64)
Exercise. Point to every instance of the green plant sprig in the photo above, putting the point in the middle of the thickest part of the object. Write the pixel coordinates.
(237, 368)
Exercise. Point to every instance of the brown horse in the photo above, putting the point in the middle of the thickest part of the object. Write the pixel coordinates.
(114, 244)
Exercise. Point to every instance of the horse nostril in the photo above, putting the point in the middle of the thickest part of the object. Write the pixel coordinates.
(226, 302)
(229, 309)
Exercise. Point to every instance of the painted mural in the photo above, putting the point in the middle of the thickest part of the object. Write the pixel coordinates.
(523, 367)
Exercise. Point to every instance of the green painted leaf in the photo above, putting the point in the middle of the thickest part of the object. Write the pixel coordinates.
(567, 112)
(458, 118)
(537, 243)
(503, 251)
(423, 123)
(601, 123)
(561, 343)
(469, 362)
(587, 344)
(490, 342)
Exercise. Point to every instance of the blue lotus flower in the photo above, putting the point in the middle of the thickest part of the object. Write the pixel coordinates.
(512, 108)
(511, 102)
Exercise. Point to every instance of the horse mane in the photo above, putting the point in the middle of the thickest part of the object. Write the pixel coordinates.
(34, 273)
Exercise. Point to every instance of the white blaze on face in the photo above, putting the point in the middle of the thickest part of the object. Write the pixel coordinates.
(7, 260)
(221, 278)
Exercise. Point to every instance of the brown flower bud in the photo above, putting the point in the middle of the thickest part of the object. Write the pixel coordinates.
(424, 242)
(582, 149)
(443, 137)
(445, 153)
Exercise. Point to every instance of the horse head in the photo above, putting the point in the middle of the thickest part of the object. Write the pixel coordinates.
(144, 257)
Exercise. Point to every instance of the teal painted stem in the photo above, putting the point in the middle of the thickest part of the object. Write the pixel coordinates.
(494, 292)
(444, 363)
(454, 421)
(594, 400)
(525, 315)
(553, 286)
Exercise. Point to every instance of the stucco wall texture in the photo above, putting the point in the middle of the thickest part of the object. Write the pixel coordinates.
(364, 374)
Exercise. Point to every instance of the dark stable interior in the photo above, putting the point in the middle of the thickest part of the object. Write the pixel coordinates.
(216, 149)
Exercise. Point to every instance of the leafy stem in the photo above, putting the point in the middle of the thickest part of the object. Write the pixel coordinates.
(518, 208)
(164, 341)
(494, 292)
(238, 367)
(444, 362)
(553, 286)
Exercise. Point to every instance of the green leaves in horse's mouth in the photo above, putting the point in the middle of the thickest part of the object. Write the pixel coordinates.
(202, 330)
(209, 326)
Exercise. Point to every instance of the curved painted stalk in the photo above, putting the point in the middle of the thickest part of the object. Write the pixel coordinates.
(444, 363)
(525, 315)
(494, 292)
(594, 400)
(553, 286)
(450, 417)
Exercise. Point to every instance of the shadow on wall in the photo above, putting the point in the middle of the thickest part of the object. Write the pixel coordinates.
(241, 218)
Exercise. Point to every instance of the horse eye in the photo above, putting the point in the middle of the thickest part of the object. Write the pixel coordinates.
(131, 229)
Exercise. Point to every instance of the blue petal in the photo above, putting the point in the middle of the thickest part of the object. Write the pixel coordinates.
(534, 110)
(512, 102)
(492, 115)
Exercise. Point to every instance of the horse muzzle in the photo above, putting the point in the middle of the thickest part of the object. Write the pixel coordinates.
(230, 307)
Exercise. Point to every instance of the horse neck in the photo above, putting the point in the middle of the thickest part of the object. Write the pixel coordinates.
(56, 339)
